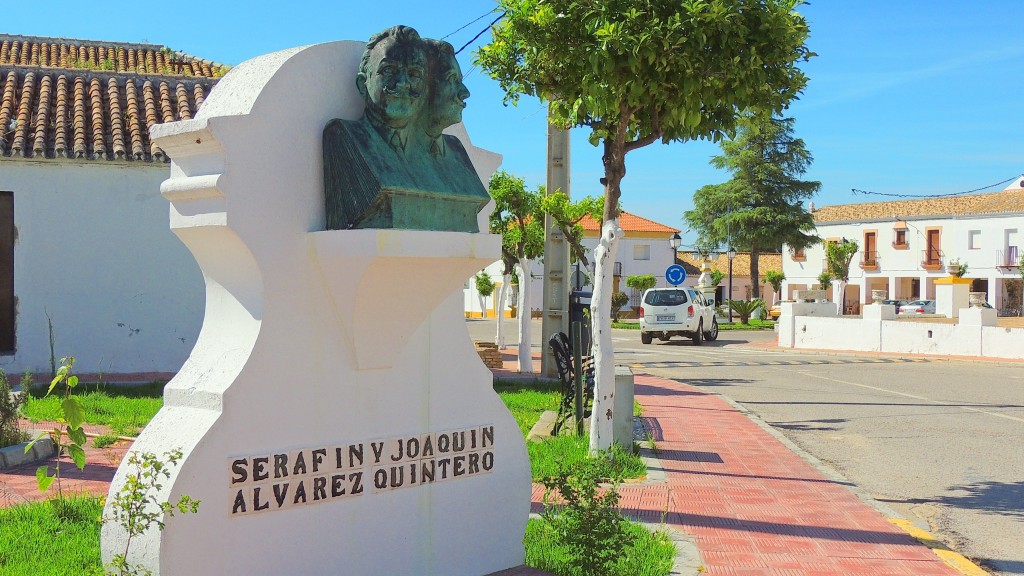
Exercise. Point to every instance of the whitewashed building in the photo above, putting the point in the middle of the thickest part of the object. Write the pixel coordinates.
(643, 249)
(905, 246)
(88, 265)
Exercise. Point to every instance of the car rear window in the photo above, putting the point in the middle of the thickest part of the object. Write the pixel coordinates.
(665, 298)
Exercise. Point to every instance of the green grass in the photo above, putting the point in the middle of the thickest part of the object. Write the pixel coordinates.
(626, 325)
(565, 451)
(755, 324)
(51, 538)
(527, 401)
(125, 409)
(648, 554)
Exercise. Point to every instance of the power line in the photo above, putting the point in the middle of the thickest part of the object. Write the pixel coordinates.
(867, 192)
(464, 26)
(493, 22)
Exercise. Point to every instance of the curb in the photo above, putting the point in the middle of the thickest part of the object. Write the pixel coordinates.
(955, 560)
(13, 456)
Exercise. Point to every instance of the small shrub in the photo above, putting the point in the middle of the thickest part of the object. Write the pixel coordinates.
(10, 432)
(104, 440)
(135, 508)
(619, 299)
(586, 521)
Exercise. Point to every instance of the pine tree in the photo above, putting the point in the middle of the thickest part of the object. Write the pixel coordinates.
(761, 206)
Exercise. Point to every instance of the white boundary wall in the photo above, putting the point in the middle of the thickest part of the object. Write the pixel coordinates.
(870, 335)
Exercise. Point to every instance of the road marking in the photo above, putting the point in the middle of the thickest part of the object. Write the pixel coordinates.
(915, 397)
(954, 560)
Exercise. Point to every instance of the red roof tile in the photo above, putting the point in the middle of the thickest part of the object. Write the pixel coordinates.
(629, 223)
(88, 100)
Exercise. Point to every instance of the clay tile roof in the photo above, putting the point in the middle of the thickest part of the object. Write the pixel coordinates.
(62, 98)
(629, 223)
(740, 264)
(1006, 201)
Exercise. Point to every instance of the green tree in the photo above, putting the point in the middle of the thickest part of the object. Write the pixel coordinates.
(642, 282)
(716, 277)
(567, 216)
(484, 288)
(775, 278)
(838, 256)
(518, 218)
(761, 206)
(637, 72)
(825, 280)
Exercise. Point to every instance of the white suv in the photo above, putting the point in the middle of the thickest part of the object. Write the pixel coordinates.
(668, 312)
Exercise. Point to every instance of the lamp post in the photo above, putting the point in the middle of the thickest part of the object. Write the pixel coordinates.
(674, 242)
(731, 254)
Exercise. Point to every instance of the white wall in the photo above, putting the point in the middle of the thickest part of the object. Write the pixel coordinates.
(94, 252)
(895, 336)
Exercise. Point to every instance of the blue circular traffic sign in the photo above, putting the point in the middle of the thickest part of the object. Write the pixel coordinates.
(675, 274)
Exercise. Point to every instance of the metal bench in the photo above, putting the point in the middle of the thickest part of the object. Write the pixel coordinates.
(561, 350)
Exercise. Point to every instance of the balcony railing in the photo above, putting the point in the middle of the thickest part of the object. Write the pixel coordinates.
(932, 259)
(869, 260)
(1009, 258)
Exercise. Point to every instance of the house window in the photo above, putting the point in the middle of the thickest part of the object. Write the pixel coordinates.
(974, 239)
(7, 272)
(798, 255)
(900, 240)
(641, 252)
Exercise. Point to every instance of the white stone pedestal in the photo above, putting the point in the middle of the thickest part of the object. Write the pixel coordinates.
(978, 317)
(879, 312)
(951, 295)
(334, 415)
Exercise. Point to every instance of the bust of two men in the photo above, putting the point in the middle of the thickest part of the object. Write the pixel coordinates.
(393, 168)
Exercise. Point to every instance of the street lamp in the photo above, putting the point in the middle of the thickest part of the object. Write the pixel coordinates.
(674, 242)
(731, 254)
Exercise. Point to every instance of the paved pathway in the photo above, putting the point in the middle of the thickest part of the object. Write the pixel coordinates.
(753, 506)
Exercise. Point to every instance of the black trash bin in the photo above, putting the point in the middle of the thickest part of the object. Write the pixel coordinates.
(579, 304)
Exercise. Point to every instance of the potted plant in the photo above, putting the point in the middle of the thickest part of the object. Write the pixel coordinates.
(956, 268)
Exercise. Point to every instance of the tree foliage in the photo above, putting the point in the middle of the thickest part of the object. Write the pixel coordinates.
(639, 71)
(838, 256)
(517, 216)
(641, 282)
(484, 284)
(568, 215)
(761, 206)
(775, 278)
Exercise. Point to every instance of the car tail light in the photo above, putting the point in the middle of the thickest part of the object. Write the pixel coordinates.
(641, 312)
(689, 311)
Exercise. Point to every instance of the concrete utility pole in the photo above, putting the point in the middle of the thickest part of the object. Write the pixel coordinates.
(556, 253)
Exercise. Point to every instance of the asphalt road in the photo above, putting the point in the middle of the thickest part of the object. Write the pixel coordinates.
(939, 441)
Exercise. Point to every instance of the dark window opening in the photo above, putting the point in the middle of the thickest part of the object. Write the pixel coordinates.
(6, 272)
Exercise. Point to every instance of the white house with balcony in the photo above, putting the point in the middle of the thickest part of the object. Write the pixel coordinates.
(905, 246)
(644, 248)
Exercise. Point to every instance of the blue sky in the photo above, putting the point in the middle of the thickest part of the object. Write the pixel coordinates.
(904, 97)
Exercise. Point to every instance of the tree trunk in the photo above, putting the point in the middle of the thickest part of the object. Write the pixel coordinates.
(499, 336)
(601, 422)
(525, 356)
(483, 305)
(755, 273)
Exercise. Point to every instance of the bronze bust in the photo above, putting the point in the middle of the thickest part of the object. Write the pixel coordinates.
(393, 168)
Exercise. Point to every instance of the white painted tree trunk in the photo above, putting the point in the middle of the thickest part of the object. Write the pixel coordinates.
(499, 336)
(840, 296)
(483, 305)
(525, 357)
(601, 421)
